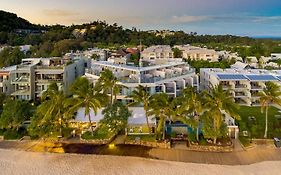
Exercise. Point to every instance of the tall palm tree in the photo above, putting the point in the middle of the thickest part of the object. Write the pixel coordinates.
(270, 95)
(53, 106)
(87, 96)
(160, 108)
(194, 104)
(109, 83)
(217, 102)
(141, 96)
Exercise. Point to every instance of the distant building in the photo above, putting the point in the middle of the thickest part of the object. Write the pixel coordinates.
(198, 53)
(157, 52)
(275, 56)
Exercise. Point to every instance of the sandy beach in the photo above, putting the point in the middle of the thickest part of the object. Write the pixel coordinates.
(14, 162)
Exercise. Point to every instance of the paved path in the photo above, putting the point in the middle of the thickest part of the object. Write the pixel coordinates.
(255, 155)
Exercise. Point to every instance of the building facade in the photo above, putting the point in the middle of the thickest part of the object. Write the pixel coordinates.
(244, 84)
(169, 77)
(198, 53)
(33, 76)
(157, 52)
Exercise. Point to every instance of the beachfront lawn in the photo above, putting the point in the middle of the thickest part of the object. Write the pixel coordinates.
(102, 132)
(145, 138)
(253, 121)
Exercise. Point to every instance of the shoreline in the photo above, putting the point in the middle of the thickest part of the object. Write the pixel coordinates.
(248, 157)
(22, 162)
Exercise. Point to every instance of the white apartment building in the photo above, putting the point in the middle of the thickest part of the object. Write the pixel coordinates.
(170, 77)
(157, 52)
(5, 80)
(275, 56)
(198, 53)
(244, 84)
(33, 76)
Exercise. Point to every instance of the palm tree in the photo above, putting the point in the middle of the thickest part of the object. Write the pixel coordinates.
(53, 106)
(194, 105)
(217, 102)
(109, 83)
(141, 96)
(160, 108)
(87, 96)
(270, 95)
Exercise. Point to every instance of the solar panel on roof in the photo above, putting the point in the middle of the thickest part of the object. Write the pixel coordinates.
(261, 77)
(231, 77)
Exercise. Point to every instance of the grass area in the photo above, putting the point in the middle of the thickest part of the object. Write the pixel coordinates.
(256, 127)
(138, 129)
(102, 132)
(146, 138)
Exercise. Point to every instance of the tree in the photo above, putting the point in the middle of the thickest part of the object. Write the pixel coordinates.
(270, 95)
(160, 108)
(87, 96)
(53, 110)
(194, 104)
(116, 116)
(109, 83)
(141, 96)
(217, 103)
(177, 53)
(14, 113)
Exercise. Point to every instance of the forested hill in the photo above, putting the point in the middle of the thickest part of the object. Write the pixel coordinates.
(11, 22)
(58, 39)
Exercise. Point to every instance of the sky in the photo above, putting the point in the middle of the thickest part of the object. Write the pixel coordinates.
(237, 17)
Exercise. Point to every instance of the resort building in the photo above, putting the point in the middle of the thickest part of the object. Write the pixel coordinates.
(157, 52)
(170, 77)
(244, 84)
(198, 53)
(34, 75)
(275, 56)
(5, 80)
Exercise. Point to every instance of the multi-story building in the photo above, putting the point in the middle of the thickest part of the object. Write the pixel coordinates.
(170, 77)
(157, 52)
(34, 75)
(5, 79)
(244, 84)
(198, 53)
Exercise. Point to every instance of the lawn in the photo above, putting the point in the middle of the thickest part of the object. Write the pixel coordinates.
(146, 138)
(102, 132)
(256, 125)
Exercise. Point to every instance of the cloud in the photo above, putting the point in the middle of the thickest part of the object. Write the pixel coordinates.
(188, 19)
(59, 13)
(226, 19)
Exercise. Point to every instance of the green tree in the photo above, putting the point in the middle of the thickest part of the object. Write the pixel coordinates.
(270, 95)
(160, 108)
(116, 116)
(217, 102)
(14, 113)
(52, 110)
(141, 96)
(195, 105)
(177, 53)
(109, 83)
(86, 96)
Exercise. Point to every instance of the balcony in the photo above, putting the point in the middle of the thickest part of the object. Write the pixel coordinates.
(21, 92)
(21, 79)
(240, 94)
(255, 87)
(240, 86)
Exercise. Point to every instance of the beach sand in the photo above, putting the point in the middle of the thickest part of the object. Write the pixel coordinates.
(14, 162)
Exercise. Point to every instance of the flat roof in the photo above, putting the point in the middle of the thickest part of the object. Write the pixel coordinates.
(231, 77)
(133, 68)
(261, 78)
